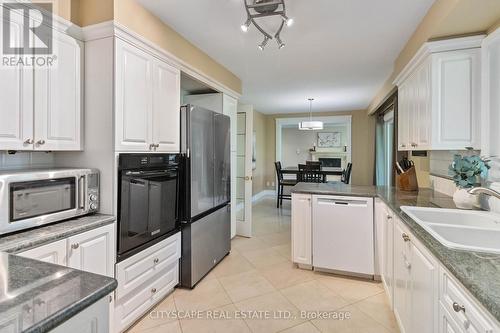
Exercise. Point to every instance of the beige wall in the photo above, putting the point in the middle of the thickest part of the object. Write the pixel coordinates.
(259, 173)
(88, 12)
(363, 144)
(135, 17)
(444, 19)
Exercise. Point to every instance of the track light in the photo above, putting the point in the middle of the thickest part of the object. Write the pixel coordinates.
(264, 43)
(280, 42)
(288, 21)
(246, 25)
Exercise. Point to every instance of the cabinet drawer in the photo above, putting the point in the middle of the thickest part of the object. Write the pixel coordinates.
(472, 318)
(133, 271)
(131, 308)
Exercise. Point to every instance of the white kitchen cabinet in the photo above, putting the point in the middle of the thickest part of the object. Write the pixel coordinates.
(58, 97)
(384, 232)
(93, 319)
(415, 284)
(440, 96)
(166, 107)
(147, 101)
(93, 251)
(42, 106)
(302, 229)
(54, 253)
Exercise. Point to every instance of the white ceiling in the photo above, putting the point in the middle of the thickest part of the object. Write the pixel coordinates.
(339, 52)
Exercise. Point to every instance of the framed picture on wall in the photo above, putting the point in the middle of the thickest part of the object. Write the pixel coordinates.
(329, 139)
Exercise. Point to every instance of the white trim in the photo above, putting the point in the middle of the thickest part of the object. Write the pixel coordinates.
(113, 28)
(329, 120)
(262, 194)
(428, 48)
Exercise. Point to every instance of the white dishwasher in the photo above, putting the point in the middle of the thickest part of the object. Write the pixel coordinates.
(343, 234)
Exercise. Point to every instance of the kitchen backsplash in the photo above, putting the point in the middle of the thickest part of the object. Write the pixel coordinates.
(21, 160)
(440, 160)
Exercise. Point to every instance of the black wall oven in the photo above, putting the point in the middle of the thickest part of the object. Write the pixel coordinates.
(148, 191)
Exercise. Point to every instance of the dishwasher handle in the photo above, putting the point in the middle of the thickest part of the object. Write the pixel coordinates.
(343, 202)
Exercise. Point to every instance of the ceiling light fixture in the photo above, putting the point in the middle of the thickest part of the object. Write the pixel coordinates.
(264, 43)
(310, 125)
(257, 9)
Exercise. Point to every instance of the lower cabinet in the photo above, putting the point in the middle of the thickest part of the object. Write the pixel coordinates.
(425, 296)
(91, 251)
(145, 279)
(302, 229)
(93, 319)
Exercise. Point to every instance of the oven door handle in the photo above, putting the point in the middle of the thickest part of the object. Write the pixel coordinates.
(81, 192)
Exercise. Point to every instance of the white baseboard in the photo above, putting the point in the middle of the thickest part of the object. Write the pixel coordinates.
(262, 194)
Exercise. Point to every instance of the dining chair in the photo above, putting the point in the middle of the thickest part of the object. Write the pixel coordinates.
(314, 165)
(310, 174)
(346, 174)
(281, 185)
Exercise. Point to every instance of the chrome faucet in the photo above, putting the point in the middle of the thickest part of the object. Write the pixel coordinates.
(485, 190)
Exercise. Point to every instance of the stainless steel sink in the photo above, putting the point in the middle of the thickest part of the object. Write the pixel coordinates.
(459, 229)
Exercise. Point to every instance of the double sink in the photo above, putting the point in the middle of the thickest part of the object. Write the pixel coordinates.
(477, 231)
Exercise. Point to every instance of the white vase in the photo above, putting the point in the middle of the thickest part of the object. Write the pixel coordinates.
(464, 200)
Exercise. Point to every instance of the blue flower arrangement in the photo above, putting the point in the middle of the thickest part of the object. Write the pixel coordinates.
(465, 169)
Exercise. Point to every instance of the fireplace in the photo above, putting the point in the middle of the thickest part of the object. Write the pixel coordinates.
(332, 162)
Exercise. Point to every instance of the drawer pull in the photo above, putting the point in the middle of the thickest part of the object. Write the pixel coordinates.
(405, 236)
(153, 291)
(457, 307)
(156, 260)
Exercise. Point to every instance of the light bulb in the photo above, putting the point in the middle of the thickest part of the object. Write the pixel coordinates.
(264, 43)
(246, 25)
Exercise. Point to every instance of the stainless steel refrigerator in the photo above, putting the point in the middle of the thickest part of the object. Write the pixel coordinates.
(205, 192)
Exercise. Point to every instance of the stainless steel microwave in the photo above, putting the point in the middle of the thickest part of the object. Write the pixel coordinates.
(30, 198)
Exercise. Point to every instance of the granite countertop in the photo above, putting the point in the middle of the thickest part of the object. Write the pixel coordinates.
(25, 240)
(39, 296)
(36, 296)
(478, 272)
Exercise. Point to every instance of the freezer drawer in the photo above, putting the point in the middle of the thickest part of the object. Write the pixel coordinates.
(205, 243)
(343, 234)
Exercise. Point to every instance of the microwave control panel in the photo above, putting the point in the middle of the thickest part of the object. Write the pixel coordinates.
(93, 192)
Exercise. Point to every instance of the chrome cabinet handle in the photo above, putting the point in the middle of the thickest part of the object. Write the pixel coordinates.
(157, 145)
(405, 236)
(75, 246)
(457, 307)
(29, 141)
(41, 142)
(403, 145)
(156, 260)
(151, 146)
(110, 297)
(153, 291)
(389, 217)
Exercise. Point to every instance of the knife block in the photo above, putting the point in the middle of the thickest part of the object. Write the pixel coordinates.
(407, 181)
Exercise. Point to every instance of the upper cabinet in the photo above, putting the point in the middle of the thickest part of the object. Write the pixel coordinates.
(43, 105)
(440, 96)
(147, 101)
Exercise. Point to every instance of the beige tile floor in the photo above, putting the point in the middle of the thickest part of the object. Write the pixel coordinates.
(258, 280)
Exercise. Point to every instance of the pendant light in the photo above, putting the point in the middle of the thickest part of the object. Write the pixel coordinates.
(310, 125)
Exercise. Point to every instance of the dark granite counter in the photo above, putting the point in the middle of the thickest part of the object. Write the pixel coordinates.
(39, 296)
(478, 272)
(36, 296)
(25, 240)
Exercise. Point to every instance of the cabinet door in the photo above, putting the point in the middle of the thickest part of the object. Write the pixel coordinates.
(403, 114)
(401, 279)
(422, 121)
(58, 97)
(456, 99)
(388, 255)
(166, 107)
(93, 251)
(133, 96)
(16, 96)
(424, 291)
(301, 229)
(54, 253)
(446, 323)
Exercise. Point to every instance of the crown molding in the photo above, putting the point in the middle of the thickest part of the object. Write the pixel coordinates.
(444, 45)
